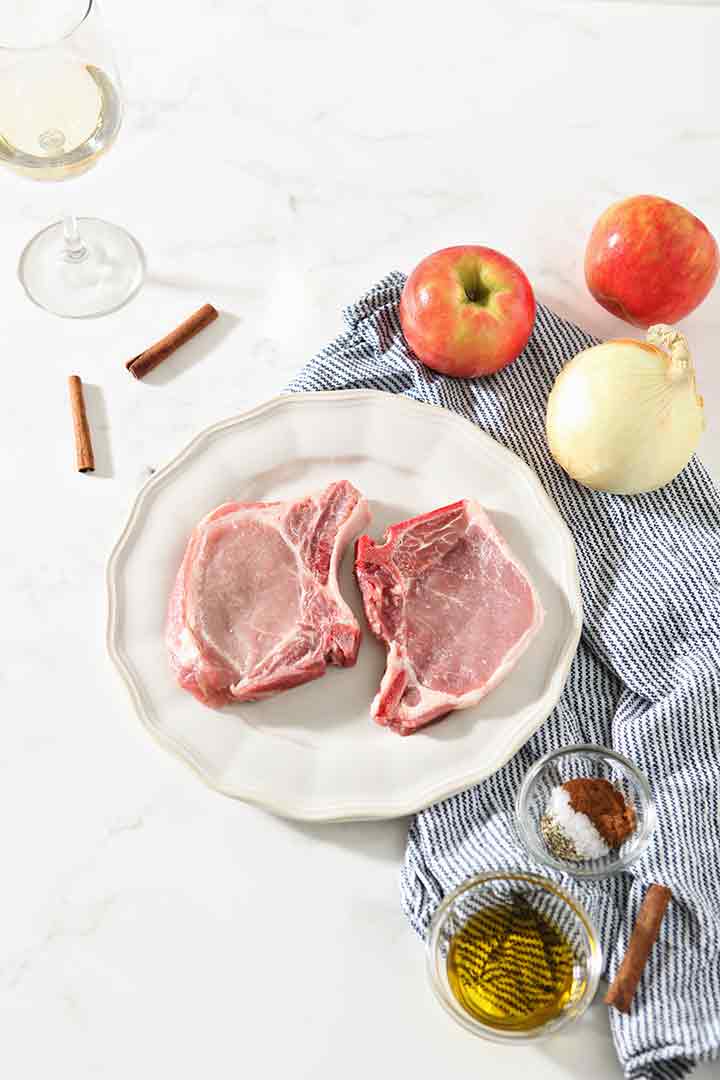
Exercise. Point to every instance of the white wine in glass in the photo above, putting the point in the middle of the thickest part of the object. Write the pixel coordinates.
(60, 111)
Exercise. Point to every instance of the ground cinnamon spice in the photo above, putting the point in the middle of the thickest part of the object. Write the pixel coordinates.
(606, 807)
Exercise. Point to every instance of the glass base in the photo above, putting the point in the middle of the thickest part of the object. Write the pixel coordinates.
(105, 277)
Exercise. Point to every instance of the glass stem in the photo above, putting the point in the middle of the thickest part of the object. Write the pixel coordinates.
(74, 249)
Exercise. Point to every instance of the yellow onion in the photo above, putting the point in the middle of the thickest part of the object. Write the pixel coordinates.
(625, 416)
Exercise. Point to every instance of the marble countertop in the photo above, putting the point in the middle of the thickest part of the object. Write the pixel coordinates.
(276, 159)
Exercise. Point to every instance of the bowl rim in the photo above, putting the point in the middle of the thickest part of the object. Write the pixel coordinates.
(453, 1007)
(575, 870)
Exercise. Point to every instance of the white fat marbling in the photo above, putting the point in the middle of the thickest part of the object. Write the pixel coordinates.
(277, 158)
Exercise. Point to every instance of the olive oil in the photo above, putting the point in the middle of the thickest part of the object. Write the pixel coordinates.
(511, 967)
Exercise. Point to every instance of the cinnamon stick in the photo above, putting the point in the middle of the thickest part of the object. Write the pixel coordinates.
(641, 942)
(146, 361)
(84, 457)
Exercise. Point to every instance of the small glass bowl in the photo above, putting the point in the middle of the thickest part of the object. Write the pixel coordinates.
(584, 760)
(503, 887)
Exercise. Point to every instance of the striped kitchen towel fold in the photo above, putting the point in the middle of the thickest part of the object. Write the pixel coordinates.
(646, 680)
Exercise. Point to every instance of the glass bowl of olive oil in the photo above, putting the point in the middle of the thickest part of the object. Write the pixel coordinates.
(512, 956)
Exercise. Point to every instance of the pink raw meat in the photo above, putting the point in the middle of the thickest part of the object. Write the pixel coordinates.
(256, 607)
(454, 607)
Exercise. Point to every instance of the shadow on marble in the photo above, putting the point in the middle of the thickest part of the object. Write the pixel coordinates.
(595, 323)
(587, 1040)
(194, 283)
(99, 430)
(193, 351)
(378, 840)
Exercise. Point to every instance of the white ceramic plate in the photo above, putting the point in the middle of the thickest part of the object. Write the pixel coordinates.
(313, 753)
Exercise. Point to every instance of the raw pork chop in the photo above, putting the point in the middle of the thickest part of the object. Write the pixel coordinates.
(454, 607)
(256, 606)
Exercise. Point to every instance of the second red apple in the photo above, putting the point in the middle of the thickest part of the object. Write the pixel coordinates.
(649, 260)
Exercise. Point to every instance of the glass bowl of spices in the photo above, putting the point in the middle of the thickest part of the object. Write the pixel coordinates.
(512, 956)
(585, 810)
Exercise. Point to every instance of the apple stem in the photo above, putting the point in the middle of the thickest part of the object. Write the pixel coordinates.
(673, 342)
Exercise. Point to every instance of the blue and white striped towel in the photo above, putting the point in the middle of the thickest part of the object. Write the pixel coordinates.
(646, 680)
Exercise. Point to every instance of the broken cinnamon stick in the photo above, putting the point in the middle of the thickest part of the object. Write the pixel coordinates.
(641, 942)
(147, 361)
(84, 457)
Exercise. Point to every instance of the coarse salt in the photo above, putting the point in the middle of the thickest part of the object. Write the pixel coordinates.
(586, 839)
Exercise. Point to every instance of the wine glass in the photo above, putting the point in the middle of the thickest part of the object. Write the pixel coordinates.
(60, 111)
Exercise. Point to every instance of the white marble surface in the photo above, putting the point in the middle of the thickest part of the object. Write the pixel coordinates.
(276, 159)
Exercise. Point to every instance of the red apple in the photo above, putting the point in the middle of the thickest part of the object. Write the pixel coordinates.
(649, 260)
(467, 310)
